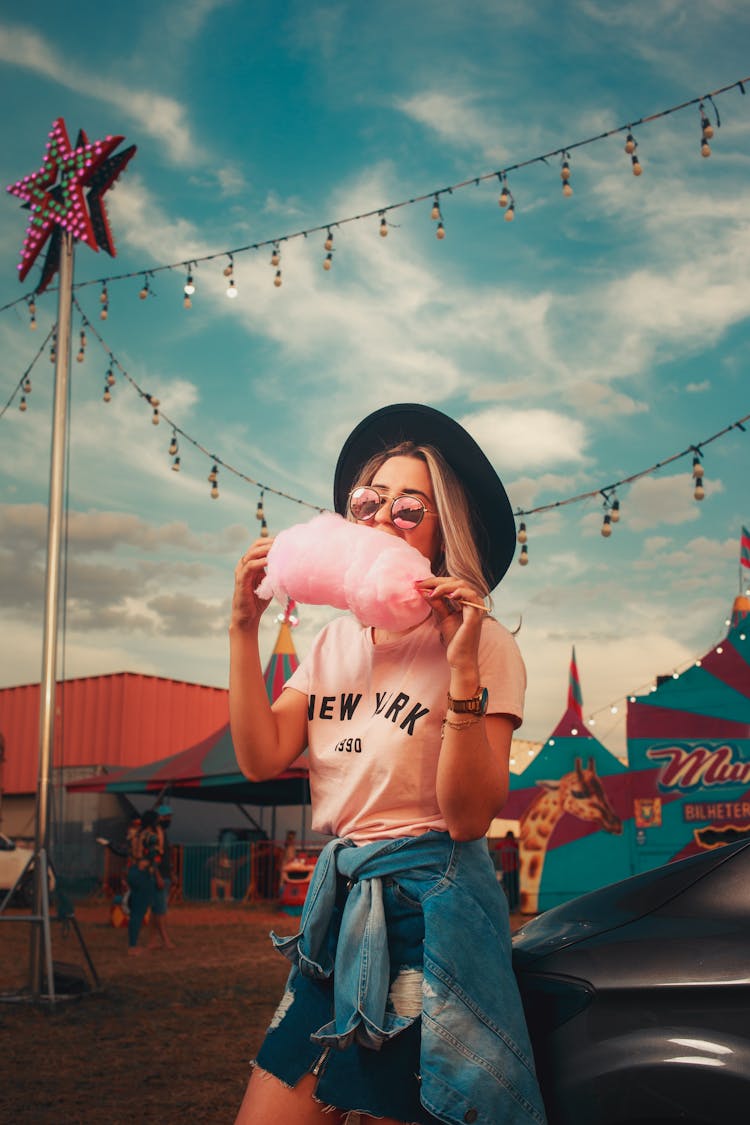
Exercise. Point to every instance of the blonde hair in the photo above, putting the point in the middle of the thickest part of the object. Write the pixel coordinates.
(459, 555)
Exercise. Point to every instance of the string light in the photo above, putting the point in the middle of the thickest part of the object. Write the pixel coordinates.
(109, 378)
(32, 314)
(435, 213)
(176, 465)
(82, 347)
(229, 274)
(522, 534)
(275, 255)
(567, 188)
(631, 146)
(612, 501)
(173, 445)
(104, 299)
(22, 406)
(383, 226)
(213, 480)
(277, 279)
(188, 289)
(328, 246)
(144, 292)
(523, 558)
(106, 396)
(440, 232)
(707, 131)
(607, 525)
(473, 181)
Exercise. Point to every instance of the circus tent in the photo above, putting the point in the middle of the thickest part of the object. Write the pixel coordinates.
(208, 770)
(570, 802)
(689, 752)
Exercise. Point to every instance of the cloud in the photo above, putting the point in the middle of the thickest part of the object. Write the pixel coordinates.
(656, 501)
(154, 115)
(522, 439)
(455, 119)
(698, 388)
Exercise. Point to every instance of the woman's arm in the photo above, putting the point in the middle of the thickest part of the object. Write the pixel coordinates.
(266, 739)
(473, 774)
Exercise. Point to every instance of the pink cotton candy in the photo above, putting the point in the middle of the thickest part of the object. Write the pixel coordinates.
(330, 561)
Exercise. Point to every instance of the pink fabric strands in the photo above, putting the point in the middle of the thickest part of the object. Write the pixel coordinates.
(330, 561)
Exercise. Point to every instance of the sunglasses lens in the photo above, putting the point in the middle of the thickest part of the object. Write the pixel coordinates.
(364, 503)
(407, 512)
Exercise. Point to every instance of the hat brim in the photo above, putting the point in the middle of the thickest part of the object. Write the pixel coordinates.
(491, 514)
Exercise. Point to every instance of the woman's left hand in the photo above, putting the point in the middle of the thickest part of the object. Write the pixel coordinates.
(460, 622)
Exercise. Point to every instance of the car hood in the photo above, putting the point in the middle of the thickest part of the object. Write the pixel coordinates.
(613, 906)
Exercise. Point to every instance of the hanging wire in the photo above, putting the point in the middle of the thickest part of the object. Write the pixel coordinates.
(382, 212)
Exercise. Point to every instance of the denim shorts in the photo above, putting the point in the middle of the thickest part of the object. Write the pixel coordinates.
(382, 1083)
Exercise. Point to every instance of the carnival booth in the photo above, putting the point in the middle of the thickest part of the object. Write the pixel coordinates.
(689, 752)
(571, 803)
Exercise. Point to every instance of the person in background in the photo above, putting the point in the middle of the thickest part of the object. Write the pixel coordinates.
(142, 876)
(401, 1003)
(507, 851)
(163, 883)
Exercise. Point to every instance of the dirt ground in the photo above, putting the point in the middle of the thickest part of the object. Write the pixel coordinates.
(166, 1039)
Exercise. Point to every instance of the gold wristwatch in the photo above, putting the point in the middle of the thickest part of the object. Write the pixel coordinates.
(476, 705)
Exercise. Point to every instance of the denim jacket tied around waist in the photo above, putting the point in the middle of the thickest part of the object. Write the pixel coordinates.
(476, 1058)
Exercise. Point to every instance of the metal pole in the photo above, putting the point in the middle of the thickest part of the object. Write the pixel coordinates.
(51, 602)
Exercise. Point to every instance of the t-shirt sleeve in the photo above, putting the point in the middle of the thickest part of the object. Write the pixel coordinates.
(502, 671)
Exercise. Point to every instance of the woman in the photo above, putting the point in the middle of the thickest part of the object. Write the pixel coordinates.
(401, 1003)
(143, 876)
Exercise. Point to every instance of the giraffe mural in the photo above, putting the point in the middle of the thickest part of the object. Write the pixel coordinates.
(579, 793)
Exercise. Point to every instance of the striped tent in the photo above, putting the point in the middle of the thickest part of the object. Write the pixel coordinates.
(689, 752)
(208, 770)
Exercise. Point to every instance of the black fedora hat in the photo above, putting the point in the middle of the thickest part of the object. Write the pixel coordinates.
(492, 518)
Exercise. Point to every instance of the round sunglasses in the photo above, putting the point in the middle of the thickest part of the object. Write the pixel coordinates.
(406, 512)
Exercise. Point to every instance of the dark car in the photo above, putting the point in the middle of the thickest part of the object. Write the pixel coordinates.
(637, 996)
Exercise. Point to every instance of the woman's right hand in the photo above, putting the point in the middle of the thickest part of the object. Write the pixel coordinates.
(247, 607)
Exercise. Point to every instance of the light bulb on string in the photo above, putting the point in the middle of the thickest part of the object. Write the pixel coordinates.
(82, 348)
(328, 262)
(637, 169)
(229, 268)
(630, 143)
(109, 378)
(106, 396)
(328, 244)
(383, 228)
(607, 525)
(27, 386)
(522, 533)
(173, 446)
(275, 256)
(706, 126)
(259, 514)
(104, 300)
(697, 466)
(435, 213)
(440, 232)
(155, 408)
(231, 289)
(264, 530)
(23, 405)
(567, 188)
(53, 350)
(176, 465)
(614, 510)
(277, 279)
(32, 315)
(510, 211)
(213, 476)
(215, 491)
(144, 290)
(705, 148)
(523, 558)
(189, 287)
(699, 491)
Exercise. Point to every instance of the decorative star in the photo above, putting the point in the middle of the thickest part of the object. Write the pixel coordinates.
(103, 179)
(55, 193)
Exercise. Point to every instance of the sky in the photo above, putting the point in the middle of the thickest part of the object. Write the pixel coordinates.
(590, 339)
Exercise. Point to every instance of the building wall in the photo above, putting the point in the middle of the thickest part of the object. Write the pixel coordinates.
(123, 719)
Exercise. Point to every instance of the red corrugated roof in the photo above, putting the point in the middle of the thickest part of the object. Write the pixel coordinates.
(123, 719)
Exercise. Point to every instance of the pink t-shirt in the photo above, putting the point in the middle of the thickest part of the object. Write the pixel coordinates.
(374, 717)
